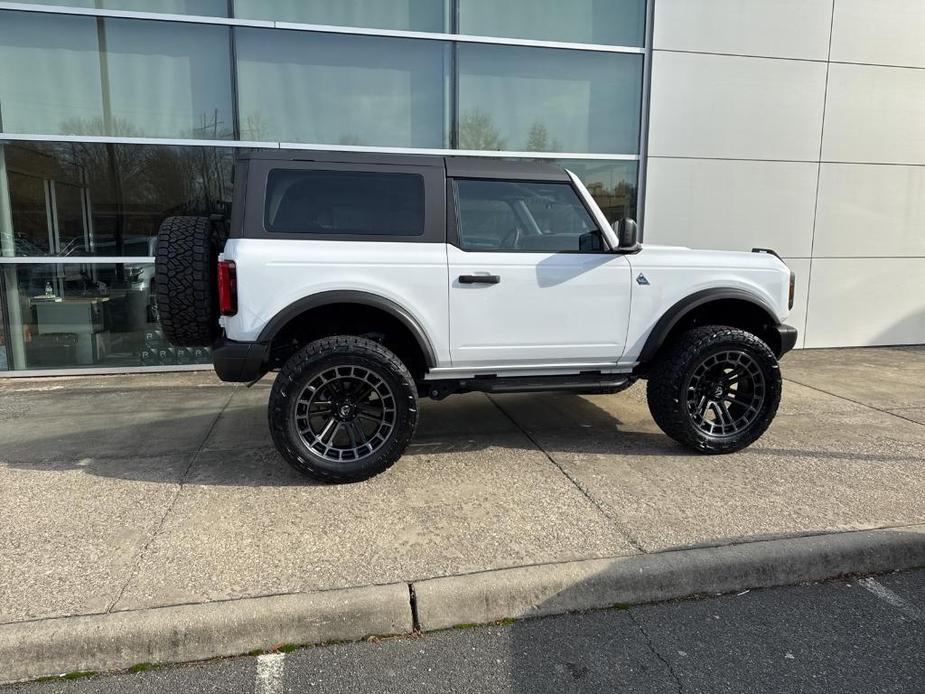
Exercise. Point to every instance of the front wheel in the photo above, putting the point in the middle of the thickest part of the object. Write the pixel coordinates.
(343, 409)
(715, 389)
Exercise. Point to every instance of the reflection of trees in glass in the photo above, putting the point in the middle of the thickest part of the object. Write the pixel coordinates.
(616, 202)
(538, 139)
(476, 131)
(254, 128)
(118, 127)
(132, 187)
(210, 127)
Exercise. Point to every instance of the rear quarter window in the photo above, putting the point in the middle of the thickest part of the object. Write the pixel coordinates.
(344, 202)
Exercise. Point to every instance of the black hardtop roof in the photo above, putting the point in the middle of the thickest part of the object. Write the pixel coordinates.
(456, 165)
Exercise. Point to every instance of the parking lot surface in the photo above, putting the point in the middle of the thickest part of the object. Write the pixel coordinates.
(126, 492)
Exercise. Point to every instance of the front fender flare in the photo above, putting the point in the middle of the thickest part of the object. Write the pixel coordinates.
(673, 315)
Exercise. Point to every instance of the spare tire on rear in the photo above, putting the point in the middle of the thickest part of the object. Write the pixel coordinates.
(185, 275)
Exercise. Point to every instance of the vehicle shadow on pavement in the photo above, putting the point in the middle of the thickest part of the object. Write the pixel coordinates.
(232, 445)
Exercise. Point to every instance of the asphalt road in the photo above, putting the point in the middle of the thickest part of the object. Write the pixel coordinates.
(850, 635)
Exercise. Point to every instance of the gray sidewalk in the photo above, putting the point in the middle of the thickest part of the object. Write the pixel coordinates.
(131, 492)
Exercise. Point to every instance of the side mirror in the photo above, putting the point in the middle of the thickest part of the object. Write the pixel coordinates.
(591, 242)
(627, 233)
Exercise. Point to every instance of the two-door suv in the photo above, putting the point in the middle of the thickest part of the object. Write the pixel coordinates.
(370, 280)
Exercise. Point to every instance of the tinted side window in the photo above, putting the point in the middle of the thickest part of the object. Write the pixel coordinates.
(345, 202)
(520, 216)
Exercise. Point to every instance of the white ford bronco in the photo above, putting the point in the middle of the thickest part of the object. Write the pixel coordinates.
(370, 280)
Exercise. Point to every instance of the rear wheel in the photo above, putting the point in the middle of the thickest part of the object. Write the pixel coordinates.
(715, 389)
(185, 276)
(343, 409)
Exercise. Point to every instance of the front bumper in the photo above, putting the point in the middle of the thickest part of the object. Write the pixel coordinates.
(788, 338)
(240, 362)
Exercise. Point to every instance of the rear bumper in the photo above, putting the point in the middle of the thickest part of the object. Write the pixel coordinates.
(240, 362)
(788, 338)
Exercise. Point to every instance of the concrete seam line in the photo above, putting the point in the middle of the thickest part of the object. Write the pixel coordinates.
(892, 412)
(523, 592)
(620, 526)
(118, 640)
(181, 481)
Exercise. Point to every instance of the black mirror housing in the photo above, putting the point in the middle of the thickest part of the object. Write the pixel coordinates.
(627, 234)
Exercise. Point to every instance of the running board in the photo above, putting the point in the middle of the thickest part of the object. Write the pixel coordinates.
(587, 384)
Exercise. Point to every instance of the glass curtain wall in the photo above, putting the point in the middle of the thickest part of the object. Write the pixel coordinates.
(71, 207)
(119, 77)
(389, 92)
(78, 217)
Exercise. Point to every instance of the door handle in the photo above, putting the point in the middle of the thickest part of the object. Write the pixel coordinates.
(479, 279)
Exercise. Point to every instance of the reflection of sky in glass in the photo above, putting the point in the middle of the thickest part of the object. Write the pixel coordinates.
(169, 79)
(413, 15)
(44, 83)
(301, 87)
(210, 8)
(164, 80)
(582, 101)
(615, 22)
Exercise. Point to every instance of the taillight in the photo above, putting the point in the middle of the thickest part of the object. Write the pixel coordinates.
(227, 288)
(793, 284)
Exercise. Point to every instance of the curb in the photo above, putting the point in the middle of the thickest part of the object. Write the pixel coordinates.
(481, 598)
(118, 640)
(182, 633)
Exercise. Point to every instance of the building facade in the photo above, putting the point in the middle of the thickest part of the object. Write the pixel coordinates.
(790, 124)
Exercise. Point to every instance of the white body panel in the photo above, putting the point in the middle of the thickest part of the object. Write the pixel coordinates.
(551, 313)
(674, 273)
(272, 274)
(548, 308)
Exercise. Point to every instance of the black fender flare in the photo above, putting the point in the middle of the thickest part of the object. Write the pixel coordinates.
(277, 322)
(673, 315)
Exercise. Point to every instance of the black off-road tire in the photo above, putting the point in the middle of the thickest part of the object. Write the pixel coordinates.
(185, 265)
(303, 368)
(671, 377)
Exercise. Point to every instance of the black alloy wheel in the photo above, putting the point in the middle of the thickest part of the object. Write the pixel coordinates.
(725, 393)
(342, 409)
(345, 413)
(714, 389)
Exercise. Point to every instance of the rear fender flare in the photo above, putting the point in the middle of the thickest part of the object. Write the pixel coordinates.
(300, 306)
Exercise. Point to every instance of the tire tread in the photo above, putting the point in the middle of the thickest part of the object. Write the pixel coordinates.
(184, 273)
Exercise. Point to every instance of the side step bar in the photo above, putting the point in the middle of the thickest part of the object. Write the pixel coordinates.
(587, 384)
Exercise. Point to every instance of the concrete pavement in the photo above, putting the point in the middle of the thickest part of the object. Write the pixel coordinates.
(133, 492)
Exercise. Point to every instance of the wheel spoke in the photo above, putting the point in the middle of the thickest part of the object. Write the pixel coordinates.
(364, 391)
(725, 393)
(351, 434)
(361, 436)
(329, 430)
(701, 408)
(728, 419)
(338, 433)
